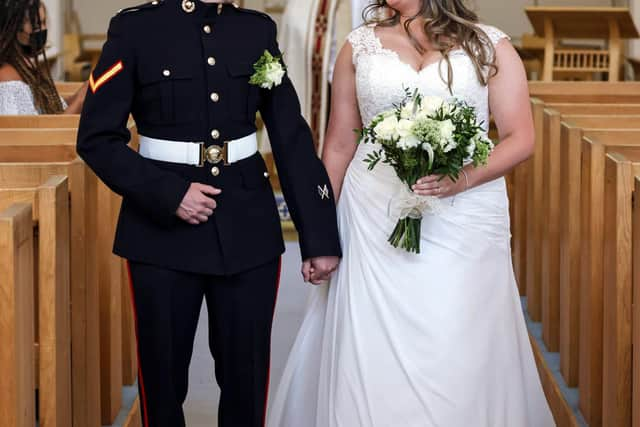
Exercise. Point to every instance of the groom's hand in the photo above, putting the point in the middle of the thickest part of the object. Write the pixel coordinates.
(318, 270)
(198, 204)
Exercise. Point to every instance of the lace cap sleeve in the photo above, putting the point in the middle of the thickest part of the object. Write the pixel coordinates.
(16, 99)
(494, 34)
(362, 41)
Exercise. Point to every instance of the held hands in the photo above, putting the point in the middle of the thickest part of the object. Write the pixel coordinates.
(318, 270)
(441, 186)
(197, 205)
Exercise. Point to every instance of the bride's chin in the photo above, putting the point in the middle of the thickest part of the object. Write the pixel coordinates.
(405, 7)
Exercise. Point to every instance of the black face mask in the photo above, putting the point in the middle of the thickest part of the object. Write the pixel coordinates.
(37, 43)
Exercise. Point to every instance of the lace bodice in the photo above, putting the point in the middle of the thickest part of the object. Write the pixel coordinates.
(381, 75)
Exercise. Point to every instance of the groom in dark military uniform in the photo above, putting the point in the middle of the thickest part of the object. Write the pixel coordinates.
(198, 218)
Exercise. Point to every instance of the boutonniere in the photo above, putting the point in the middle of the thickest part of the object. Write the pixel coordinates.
(269, 71)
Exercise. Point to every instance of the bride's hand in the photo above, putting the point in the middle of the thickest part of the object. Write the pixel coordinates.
(439, 186)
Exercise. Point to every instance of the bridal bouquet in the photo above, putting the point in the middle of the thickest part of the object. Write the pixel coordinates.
(423, 135)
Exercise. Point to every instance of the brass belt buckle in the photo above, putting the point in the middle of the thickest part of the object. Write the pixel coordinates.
(214, 154)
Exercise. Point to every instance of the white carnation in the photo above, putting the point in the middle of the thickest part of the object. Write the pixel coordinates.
(387, 128)
(274, 73)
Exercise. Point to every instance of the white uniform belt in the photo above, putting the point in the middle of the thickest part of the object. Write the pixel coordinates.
(195, 153)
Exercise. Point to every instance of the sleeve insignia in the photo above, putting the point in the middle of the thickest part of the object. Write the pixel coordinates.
(105, 77)
(324, 192)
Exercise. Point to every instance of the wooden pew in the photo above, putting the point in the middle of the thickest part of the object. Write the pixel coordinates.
(66, 151)
(50, 205)
(636, 305)
(586, 92)
(551, 216)
(17, 404)
(567, 247)
(66, 89)
(595, 145)
(522, 177)
(85, 330)
(106, 269)
(19, 145)
(528, 178)
(617, 376)
(561, 177)
(40, 121)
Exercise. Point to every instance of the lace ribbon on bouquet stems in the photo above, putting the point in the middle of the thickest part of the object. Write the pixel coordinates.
(409, 208)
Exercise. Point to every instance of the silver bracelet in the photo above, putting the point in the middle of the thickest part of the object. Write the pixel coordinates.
(466, 179)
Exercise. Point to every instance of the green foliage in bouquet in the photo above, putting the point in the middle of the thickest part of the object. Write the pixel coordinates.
(424, 136)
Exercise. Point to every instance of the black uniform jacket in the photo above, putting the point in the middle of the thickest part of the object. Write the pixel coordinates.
(185, 77)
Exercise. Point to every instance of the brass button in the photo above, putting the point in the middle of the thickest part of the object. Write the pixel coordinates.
(166, 73)
(215, 97)
(215, 171)
(215, 134)
(207, 29)
(211, 61)
(154, 2)
(266, 174)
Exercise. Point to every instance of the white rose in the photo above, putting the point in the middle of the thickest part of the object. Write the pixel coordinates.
(471, 149)
(408, 110)
(274, 73)
(405, 128)
(407, 142)
(387, 129)
(430, 104)
(446, 133)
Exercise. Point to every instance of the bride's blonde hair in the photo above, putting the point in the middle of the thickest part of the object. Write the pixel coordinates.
(449, 24)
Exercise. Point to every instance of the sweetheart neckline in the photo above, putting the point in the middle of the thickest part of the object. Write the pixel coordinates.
(396, 55)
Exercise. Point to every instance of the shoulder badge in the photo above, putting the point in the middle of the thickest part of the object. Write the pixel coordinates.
(150, 5)
(254, 12)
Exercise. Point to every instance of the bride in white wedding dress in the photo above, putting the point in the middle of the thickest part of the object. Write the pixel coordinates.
(439, 338)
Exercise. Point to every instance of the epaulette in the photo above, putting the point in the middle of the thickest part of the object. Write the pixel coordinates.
(252, 11)
(150, 5)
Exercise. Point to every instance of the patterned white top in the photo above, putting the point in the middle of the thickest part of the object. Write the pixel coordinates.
(16, 99)
(381, 75)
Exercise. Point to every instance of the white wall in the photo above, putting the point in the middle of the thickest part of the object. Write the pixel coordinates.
(505, 14)
(55, 30)
(96, 14)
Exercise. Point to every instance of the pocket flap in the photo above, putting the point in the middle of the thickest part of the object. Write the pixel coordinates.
(239, 69)
(158, 73)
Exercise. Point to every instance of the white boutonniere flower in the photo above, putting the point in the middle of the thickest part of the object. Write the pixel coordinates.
(269, 71)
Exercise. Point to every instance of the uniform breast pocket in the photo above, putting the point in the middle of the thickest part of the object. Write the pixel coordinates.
(165, 95)
(244, 96)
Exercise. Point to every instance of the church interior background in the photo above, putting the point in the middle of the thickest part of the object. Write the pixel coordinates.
(80, 26)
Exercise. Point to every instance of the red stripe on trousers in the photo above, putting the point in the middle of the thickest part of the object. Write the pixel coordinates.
(266, 396)
(140, 378)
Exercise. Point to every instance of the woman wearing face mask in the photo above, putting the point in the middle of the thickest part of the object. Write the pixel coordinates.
(435, 339)
(26, 85)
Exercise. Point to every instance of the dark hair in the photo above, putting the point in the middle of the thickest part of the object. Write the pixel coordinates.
(33, 71)
(449, 24)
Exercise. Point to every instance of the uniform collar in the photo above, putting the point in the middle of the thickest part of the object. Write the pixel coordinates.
(204, 10)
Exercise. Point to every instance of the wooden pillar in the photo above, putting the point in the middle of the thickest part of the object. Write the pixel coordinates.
(615, 50)
(17, 382)
(636, 304)
(549, 50)
(55, 310)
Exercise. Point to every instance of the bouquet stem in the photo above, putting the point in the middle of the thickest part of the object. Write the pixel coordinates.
(406, 234)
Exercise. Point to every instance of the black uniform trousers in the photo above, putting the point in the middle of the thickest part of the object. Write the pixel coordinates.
(167, 307)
